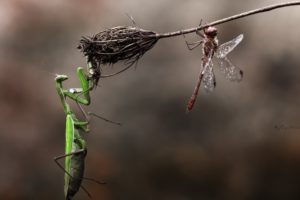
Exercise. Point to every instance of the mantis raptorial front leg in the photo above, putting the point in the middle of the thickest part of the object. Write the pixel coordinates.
(79, 95)
(86, 87)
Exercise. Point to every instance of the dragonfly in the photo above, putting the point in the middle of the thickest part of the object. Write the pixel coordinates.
(211, 49)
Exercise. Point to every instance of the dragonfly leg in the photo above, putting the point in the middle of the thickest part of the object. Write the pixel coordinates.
(198, 32)
(192, 45)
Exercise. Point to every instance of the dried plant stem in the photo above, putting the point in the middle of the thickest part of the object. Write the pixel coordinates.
(129, 44)
(231, 18)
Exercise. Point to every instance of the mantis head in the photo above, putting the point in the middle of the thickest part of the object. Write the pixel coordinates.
(61, 77)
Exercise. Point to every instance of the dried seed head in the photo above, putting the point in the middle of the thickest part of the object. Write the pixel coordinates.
(116, 44)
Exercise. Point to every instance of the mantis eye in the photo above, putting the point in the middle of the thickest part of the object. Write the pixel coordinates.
(72, 90)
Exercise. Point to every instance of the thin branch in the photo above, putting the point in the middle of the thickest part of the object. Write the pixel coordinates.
(129, 44)
(231, 18)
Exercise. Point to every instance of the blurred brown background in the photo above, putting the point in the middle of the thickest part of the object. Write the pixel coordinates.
(240, 142)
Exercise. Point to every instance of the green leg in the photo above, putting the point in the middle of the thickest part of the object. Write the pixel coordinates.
(59, 79)
(73, 92)
(73, 95)
(84, 90)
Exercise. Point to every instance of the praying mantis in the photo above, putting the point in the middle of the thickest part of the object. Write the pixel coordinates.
(75, 149)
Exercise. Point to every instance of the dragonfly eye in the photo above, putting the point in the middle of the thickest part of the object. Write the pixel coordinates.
(211, 31)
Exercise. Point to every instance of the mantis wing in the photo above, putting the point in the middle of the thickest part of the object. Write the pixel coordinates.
(70, 128)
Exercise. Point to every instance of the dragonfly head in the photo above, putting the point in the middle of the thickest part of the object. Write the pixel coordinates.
(211, 31)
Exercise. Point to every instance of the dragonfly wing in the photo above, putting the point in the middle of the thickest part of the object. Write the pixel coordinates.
(230, 71)
(209, 79)
(227, 47)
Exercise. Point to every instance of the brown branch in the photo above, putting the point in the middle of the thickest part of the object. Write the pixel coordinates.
(129, 44)
(231, 18)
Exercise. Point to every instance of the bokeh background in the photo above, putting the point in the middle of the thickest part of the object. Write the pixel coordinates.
(240, 142)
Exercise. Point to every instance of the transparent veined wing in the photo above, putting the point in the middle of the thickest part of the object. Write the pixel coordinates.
(230, 71)
(209, 79)
(227, 47)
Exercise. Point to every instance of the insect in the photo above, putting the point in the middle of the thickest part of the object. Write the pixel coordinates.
(211, 48)
(75, 149)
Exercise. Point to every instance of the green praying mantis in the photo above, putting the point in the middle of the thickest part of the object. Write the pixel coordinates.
(75, 146)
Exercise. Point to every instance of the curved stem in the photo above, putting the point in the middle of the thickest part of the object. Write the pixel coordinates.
(227, 19)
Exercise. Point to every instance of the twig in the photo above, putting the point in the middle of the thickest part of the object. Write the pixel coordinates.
(231, 18)
(129, 44)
